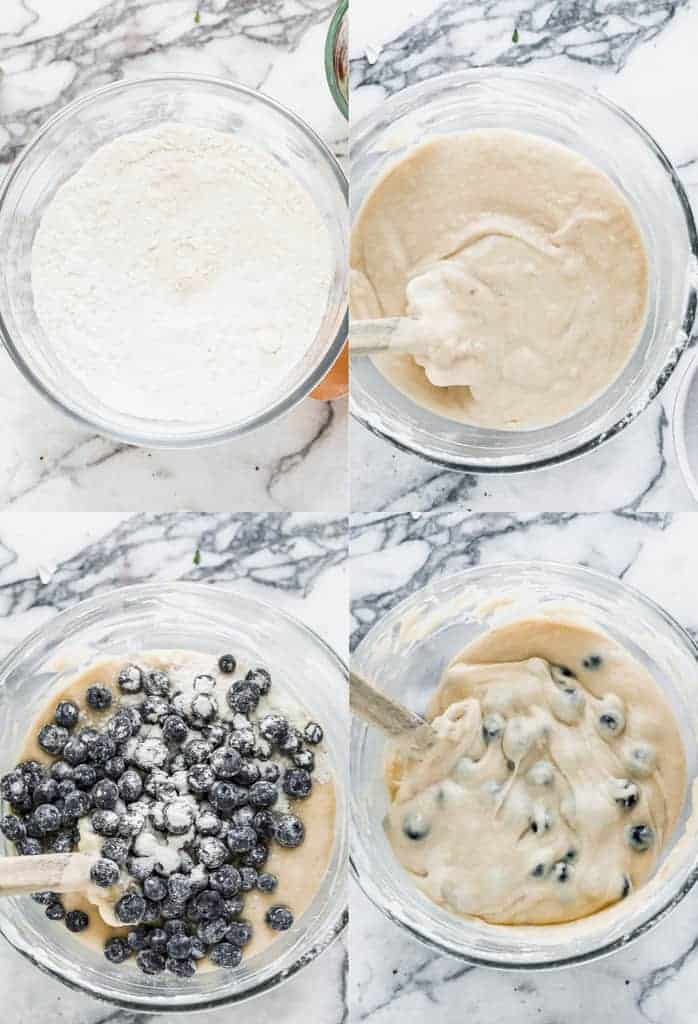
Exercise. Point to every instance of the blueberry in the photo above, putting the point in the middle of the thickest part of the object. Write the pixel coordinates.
(264, 824)
(226, 797)
(115, 767)
(66, 714)
(65, 787)
(243, 741)
(216, 734)
(232, 906)
(207, 906)
(105, 795)
(279, 918)
(291, 742)
(538, 871)
(46, 792)
(266, 882)
(248, 773)
(62, 842)
(156, 683)
(182, 968)
(271, 772)
(138, 938)
(492, 726)
(239, 933)
(178, 887)
(242, 816)
(561, 871)
(120, 727)
(227, 664)
(129, 908)
(154, 710)
(131, 823)
(290, 831)
(130, 786)
(640, 837)
(159, 939)
(226, 880)
(45, 897)
(204, 683)
(75, 751)
(98, 697)
(47, 818)
(248, 879)
(200, 778)
(104, 873)
(12, 828)
(212, 931)
(611, 722)
(261, 678)
(257, 856)
(212, 852)
(76, 920)
(225, 763)
(52, 738)
(175, 729)
(154, 888)
(134, 714)
(224, 954)
(101, 749)
(179, 947)
(105, 823)
(116, 850)
(55, 911)
(241, 838)
(263, 794)
(263, 749)
(150, 753)
(28, 847)
(171, 910)
(297, 783)
(196, 752)
(151, 962)
(561, 674)
(208, 824)
(84, 776)
(14, 787)
(243, 697)
(116, 950)
(130, 679)
(594, 661)
(313, 733)
(304, 759)
(625, 793)
(415, 826)
(61, 771)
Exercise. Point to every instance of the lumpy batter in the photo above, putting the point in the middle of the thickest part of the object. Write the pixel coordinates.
(524, 257)
(556, 778)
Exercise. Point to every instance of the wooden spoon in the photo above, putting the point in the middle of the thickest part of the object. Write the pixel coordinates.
(389, 715)
(55, 872)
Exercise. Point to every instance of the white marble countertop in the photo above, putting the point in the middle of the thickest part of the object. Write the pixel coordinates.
(300, 568)
(396, 980)
(52, 52)
(639, 55)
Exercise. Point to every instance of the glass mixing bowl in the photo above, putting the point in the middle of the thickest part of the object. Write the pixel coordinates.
(61, 148)
(336, 57)
(211, 620)
(618, 145)
(406, 654)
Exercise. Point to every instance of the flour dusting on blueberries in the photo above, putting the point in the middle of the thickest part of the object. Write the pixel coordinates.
(181, 783)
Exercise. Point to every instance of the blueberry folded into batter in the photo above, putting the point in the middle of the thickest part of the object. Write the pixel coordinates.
(556, 779)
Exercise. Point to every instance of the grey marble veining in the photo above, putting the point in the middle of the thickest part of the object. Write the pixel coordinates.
(297, 565)
(396, 980)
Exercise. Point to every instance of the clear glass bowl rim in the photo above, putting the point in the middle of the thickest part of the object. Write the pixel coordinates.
(330, 41)
(219, 436)
(135, 592)
(385, 113)
(582, 574)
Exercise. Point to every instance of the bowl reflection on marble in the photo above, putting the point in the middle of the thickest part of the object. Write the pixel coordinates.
(607, 136)
(209, 620)
(407, 652)
(60, 149)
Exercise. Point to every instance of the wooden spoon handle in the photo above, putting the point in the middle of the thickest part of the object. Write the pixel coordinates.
(58, 872)
(375, 708)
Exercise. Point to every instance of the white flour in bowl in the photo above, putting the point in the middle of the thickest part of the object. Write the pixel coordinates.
(180, 274)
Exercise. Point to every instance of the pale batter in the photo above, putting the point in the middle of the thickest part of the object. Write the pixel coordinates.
(300, 871)
(556, 779)
(524, 257)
